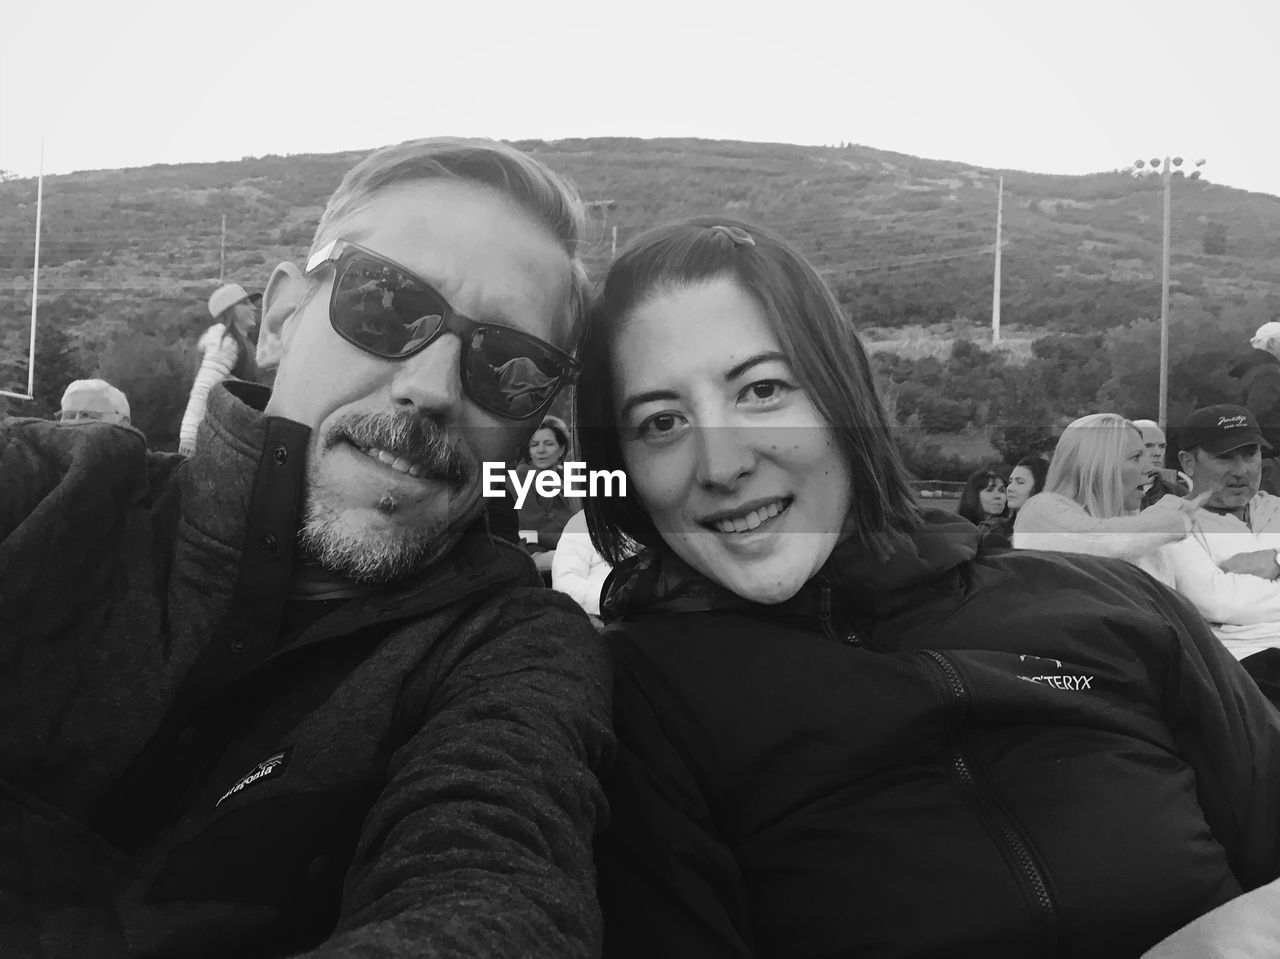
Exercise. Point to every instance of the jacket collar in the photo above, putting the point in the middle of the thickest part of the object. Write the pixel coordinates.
(864, 587)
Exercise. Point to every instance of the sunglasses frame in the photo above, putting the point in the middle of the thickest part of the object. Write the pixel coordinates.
(452, 321)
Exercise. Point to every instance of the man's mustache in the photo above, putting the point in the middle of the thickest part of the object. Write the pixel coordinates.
(413, 438)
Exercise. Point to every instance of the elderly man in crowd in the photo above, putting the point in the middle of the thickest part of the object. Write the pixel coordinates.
(1163, 481)
(299, 700)
(1228, 566)
(93, 401)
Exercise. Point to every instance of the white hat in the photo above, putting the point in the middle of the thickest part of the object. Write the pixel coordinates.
(1265, 332)
(96, 395)
(227, 296)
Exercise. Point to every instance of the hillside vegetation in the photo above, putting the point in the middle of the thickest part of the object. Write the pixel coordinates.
(129, 256)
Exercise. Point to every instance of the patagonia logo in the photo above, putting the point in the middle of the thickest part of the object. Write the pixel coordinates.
(269, 768)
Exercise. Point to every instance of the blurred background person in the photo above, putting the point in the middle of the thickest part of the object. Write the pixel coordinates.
(1025, 480)
(93, 401)
(542, 518)
(577, 569)
(1259, 386)
(1163, 481)
(226, 351)
(1091, 498)
(984, 504)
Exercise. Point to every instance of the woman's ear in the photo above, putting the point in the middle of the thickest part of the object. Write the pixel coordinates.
(280, 302)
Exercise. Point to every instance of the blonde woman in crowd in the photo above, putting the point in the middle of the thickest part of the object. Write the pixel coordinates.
(1091, 498)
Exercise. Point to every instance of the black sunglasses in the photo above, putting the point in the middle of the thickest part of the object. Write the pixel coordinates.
(387, 310)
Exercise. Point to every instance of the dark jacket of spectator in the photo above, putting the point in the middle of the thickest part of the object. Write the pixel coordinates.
(190, 765)
(1259, 376)
(941, 754)
(543, 515)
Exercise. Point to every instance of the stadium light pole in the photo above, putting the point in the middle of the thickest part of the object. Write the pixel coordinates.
(1166, 171)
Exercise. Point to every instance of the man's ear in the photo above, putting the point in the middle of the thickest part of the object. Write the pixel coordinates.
(1188, 461)
(280, 302)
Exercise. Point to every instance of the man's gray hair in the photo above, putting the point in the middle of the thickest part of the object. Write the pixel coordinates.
(540, 191)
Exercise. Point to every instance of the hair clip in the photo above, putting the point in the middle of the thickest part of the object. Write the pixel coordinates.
(736, 234)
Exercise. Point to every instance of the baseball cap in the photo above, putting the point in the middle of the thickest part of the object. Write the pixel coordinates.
(1265, 332)
(229, 294)
(1217, 429)
(94, 396)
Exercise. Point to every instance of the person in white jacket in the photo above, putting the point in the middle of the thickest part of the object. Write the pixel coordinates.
(577, 569)
(1091, 496)
(226, 350)
(1228, 566)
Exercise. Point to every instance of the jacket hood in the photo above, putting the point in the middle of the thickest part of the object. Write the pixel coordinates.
(1255, 358)
(867, 586)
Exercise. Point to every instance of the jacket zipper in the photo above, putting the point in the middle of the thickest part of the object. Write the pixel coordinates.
(1021, 852)
(824, 616)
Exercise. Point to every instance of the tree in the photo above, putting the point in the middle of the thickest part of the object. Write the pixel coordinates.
(1215, 239)
(57, 364)
(156, 377)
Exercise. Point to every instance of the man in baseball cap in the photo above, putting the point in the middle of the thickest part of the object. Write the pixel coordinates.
(93, 401)
(1229, 565)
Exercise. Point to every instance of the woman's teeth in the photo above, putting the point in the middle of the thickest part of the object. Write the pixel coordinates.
(397, 463)
(752, 520)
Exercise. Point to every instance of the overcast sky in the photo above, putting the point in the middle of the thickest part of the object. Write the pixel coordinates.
(1066, 87)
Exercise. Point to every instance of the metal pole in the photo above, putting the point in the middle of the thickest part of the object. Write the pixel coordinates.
(35, 277)
(222, 255)
(1167, 175)
(995, 289)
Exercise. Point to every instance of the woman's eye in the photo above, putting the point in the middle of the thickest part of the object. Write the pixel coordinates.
(765, 392)
(660, 425)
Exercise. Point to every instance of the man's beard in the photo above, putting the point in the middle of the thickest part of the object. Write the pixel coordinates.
(333, 534)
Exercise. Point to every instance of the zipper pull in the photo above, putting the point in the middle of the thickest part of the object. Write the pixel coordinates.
(824, 602)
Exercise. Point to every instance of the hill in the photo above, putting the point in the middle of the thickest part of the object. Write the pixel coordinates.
(904, 241)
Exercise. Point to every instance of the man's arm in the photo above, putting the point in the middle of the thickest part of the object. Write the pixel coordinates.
(1240, 599)
(480, 844)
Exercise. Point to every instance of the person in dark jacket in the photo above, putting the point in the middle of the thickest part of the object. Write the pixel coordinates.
(1259, 387)
(984, 503)
(844, 727)
(288, 696)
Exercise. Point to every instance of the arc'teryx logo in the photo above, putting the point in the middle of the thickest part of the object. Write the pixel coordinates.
(1072, 683)
(270, 767)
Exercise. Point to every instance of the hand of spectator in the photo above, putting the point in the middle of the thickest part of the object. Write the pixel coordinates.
(543, 560)
(187, 449)
(1258, 562)
(1190, 505)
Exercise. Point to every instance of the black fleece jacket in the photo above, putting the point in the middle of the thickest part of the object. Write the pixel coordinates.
(413, 774)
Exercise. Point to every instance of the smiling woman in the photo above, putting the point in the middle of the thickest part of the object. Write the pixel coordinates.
(845, 726)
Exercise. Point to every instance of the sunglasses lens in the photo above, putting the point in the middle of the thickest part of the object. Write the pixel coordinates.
(384, 310)
(510, 373)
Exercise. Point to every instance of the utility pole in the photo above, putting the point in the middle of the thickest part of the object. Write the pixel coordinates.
(222, 255)
(35, 291)
(1165, 171)
(995, 289)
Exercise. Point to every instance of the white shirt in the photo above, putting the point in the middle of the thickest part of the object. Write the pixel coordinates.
(1243, 609)
(577, 569)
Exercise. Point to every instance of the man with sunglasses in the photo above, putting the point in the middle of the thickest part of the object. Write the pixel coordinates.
(299, 698)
